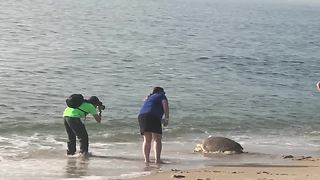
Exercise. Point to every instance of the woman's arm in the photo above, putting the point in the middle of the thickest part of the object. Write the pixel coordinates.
(97, 117)
(165, 106)
(96, 113)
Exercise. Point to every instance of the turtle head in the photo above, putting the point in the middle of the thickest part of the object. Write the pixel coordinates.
(198, 148)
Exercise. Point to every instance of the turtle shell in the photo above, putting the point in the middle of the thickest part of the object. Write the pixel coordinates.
(221, 144)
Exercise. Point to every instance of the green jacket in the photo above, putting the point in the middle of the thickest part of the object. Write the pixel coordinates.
(77, 113)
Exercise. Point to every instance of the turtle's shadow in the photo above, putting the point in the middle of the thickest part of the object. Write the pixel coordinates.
(222, 155)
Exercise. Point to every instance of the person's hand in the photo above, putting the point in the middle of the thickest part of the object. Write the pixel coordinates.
(165, 122)
(97, 117)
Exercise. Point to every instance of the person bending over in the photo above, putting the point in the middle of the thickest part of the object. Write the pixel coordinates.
(78, 108)
(150, 119)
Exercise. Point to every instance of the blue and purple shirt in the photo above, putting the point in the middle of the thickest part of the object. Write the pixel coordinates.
(153, 105)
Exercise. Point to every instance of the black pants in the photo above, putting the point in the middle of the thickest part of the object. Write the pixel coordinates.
(149, 123)
(75, 128)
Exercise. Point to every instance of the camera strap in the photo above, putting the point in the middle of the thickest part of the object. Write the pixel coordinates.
(85, 113)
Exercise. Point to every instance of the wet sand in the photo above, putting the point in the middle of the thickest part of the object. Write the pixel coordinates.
(295, 168)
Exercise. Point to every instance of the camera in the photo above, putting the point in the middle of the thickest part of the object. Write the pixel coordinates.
(101, 106)
(94, 100)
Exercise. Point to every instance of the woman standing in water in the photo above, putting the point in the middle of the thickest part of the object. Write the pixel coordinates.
(154, 112)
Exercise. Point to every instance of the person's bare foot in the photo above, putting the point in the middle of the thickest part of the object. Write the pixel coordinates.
(159, 162)
(85, 155)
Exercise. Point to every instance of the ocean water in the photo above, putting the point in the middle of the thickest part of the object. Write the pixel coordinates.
(243, 69)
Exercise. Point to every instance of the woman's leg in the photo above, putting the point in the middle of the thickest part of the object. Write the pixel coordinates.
(157, 146)
(80, 130)
(71, 139)
(83, 139)
(146, 146)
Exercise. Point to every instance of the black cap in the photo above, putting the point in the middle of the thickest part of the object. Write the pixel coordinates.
(158, 90)
(95, 100)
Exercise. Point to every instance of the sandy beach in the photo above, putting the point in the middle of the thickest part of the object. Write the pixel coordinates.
(297, 168)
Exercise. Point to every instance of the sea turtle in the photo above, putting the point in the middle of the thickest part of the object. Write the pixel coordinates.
(219, 145)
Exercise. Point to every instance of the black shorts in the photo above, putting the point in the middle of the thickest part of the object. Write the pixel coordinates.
(149, 123)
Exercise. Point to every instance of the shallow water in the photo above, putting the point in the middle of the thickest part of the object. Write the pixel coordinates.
(241, 69)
